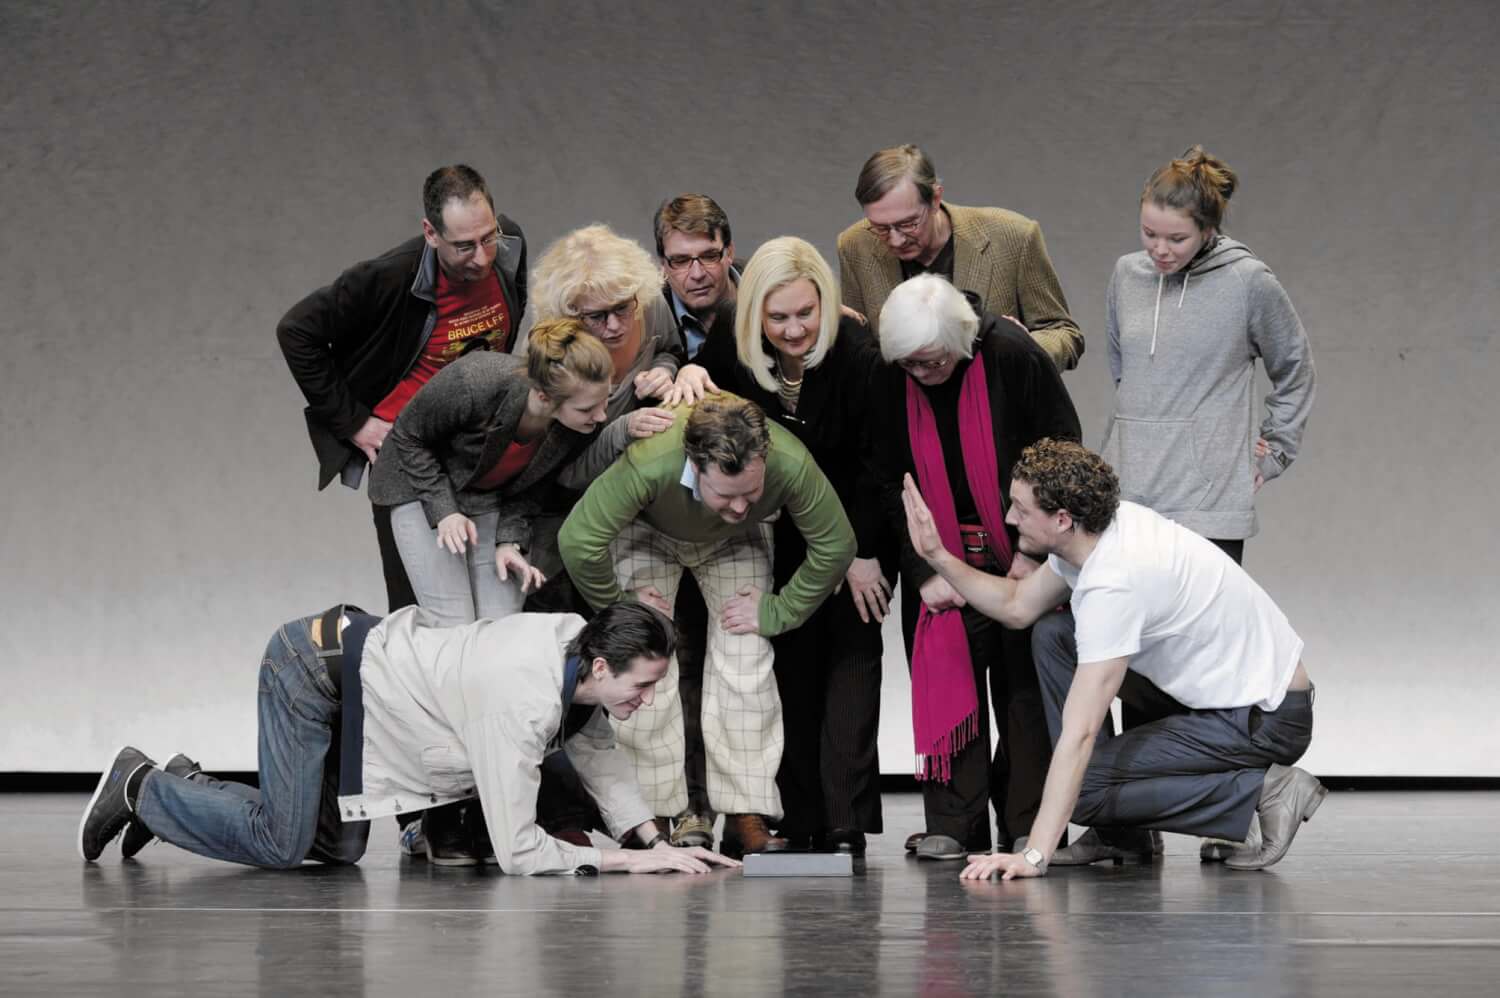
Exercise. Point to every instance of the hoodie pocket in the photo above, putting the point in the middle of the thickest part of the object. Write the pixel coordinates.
(1159, 461)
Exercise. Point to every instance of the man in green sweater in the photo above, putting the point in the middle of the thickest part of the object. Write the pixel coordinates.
(697, 497)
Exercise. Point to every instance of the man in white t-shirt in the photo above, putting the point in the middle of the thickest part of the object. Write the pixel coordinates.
(1164, 620)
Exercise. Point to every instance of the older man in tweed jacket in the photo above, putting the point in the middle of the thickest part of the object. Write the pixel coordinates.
(996, 254)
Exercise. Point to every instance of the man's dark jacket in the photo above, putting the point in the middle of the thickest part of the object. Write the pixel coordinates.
(350, 343)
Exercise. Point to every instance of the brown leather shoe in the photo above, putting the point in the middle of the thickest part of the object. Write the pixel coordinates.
(748, 833)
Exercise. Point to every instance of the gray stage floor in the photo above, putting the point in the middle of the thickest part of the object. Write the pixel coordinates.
(1382, 894)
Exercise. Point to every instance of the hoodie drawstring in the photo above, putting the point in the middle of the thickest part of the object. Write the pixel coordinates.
(1156, 312)
(1161, 279)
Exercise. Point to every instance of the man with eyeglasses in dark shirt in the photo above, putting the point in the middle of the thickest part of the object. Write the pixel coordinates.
(908, 229)
(361, 347)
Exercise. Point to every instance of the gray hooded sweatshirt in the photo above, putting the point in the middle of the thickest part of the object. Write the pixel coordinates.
(1182, 350)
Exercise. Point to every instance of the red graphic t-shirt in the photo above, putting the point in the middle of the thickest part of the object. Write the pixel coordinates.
(464, 311)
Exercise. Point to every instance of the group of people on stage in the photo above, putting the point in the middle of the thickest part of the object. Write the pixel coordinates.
(638, 558)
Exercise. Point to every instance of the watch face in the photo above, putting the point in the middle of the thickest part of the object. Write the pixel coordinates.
(1034, 857)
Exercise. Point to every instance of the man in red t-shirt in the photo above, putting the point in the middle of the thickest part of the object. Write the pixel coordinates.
(361, 347)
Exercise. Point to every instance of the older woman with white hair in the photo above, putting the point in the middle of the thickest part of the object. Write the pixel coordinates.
(964, 394)
(811, 369)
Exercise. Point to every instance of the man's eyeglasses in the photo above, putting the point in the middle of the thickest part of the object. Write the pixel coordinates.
(907, 226)
(681, 261)
(600, 319)
(469, 246)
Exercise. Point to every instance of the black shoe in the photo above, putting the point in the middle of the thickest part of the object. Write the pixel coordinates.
(109, 810)
(137, 836)
(845, 840)
(449, 842)
(480, 843)
(1125, 846)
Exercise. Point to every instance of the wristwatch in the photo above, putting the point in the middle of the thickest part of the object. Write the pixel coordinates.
(1035, 858)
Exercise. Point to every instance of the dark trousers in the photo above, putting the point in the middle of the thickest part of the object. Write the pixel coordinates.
(690, 616)
(828, 675)
(1198, 772)
(1012, 778)
(562, 802)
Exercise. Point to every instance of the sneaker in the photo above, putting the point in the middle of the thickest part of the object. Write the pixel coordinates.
(110, 810)
(693, 829)
(137, 836)
(414, 840)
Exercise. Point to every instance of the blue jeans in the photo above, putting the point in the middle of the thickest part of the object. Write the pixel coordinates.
(294, 815)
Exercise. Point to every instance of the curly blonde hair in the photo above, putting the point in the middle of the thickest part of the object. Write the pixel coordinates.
(592, 262)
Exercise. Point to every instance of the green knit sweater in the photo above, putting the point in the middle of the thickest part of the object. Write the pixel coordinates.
(646, 482)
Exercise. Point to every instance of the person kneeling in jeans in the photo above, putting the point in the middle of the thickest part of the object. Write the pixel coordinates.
(361, 717)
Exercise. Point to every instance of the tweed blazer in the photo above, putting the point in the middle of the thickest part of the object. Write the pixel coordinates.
(454, 430)
(997, 254)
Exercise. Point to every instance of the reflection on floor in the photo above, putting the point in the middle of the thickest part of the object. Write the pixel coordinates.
(1381, 894)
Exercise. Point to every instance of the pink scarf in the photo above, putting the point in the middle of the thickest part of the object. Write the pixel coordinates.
(944, 703)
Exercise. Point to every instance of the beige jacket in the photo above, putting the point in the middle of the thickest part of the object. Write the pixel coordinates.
(451, 711)
(997, 254)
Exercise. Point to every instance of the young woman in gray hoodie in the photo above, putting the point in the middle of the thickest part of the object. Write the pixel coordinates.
(1187, 318)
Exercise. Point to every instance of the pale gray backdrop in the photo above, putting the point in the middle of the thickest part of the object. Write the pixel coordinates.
(175, 175)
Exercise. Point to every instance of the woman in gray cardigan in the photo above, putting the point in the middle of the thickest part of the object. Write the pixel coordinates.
(1187, 318)
(476, 450)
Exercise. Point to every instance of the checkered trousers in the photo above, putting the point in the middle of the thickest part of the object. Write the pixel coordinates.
(741, 708)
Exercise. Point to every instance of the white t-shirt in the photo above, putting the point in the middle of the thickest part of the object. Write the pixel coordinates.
(1187, 617)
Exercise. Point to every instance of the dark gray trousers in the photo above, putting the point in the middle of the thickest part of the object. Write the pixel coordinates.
(1198, 772)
